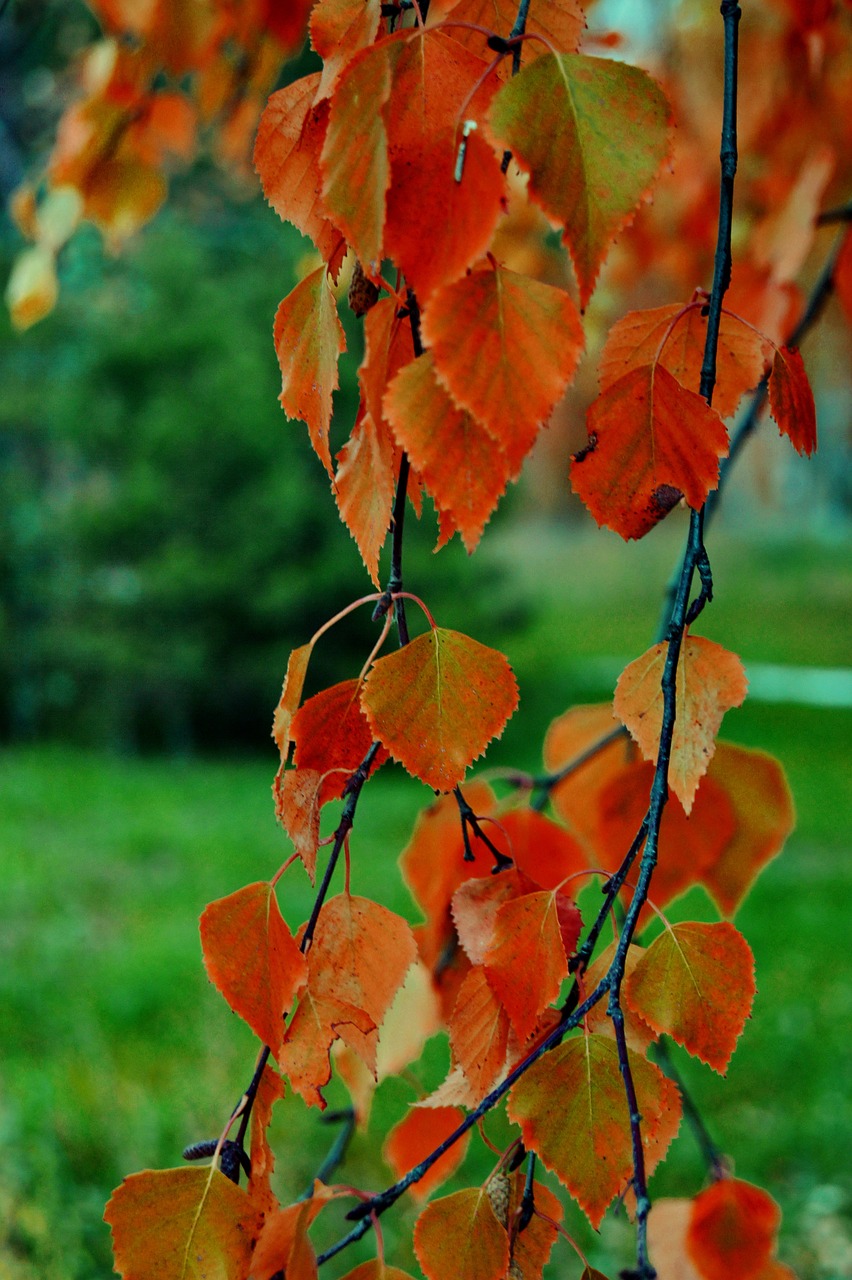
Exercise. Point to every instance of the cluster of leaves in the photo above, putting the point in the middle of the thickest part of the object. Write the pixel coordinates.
(433, 141)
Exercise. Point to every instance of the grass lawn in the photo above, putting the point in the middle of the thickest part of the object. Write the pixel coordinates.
(117, 1052)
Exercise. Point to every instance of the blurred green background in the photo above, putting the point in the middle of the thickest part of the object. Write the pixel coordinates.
(166, 537)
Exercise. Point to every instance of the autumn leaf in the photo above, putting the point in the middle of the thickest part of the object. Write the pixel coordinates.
(376, 1269)
(639, 1035)
(459, 1238)
(479, 1033)
(791, 401)
(363, 488)
(291, 696)
(732, 1230)
(283, 1244)
(527, 959)
(574, 736)
(475, 905)
(415, 1137)
(360, 954)
(561, 22)
(436, 704)
(332, 737)
(638, 337)
(688, 846)
(505, 347)
(33, 288)
(316, 1024)
(432, 81)
(289, 140)
(758, 794)
(461, 465)
(651, 443)
(592, 134)
(339, 29)
(251, 957)
(695, 983)
(710, 680)
(572, 1111)
(531, 1248)
(269, 1091)
(354, 162)
(181, 1224)
(308, 341)
(539, 847)
(297, 795)
(388, 347)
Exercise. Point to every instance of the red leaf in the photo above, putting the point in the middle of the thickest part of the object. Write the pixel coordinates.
(459, 1238)
(308, 341)
(181, 1224)
(526, 961)
(436, 704)
(505, 347)
(419, 1133)
(695, 983)
(732, 1230)
(592, 134)
(250, 956)
(332, 736)
(651, 442)
(791, 401)
(460, 464)
(539, 847)
(710, 680)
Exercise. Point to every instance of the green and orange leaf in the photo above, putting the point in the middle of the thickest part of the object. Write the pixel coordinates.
(459, 1238)
(592, 134)
(437, 703)
(695, 983)
(181, 1224)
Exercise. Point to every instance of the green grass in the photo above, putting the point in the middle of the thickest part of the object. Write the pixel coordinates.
(117, 1052)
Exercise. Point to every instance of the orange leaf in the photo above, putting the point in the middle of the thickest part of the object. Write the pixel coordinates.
(479, 1033)
(283, 1244)
(308, 340)
(332, 734)
(561, 21)
(360, 954)
(791, 401)
(459, 1238)
(475, 906)
(526, 961)
(291, 696)
(270, 1090)
(437, 703)
(433, 77)
(363, 488)
(668, 1222)
(592, 134)
(531, 1248)
(181, 1224)
(388, 346)
(651, 442)
(732, 1230)
(687, 848)
(376, 1269)
(755, 787)
(843, 276)
(639, 1035)
(710, 680)
(539, 847)
(505, 347)
(339, 28)
(460, 464)
(635, 340)
(355, 165)
(695, 983)
(297, 807)
(250, 956)
(568, 738)
(304, 1055)
(573, 1113)
(418, 1134)
(290, 137)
